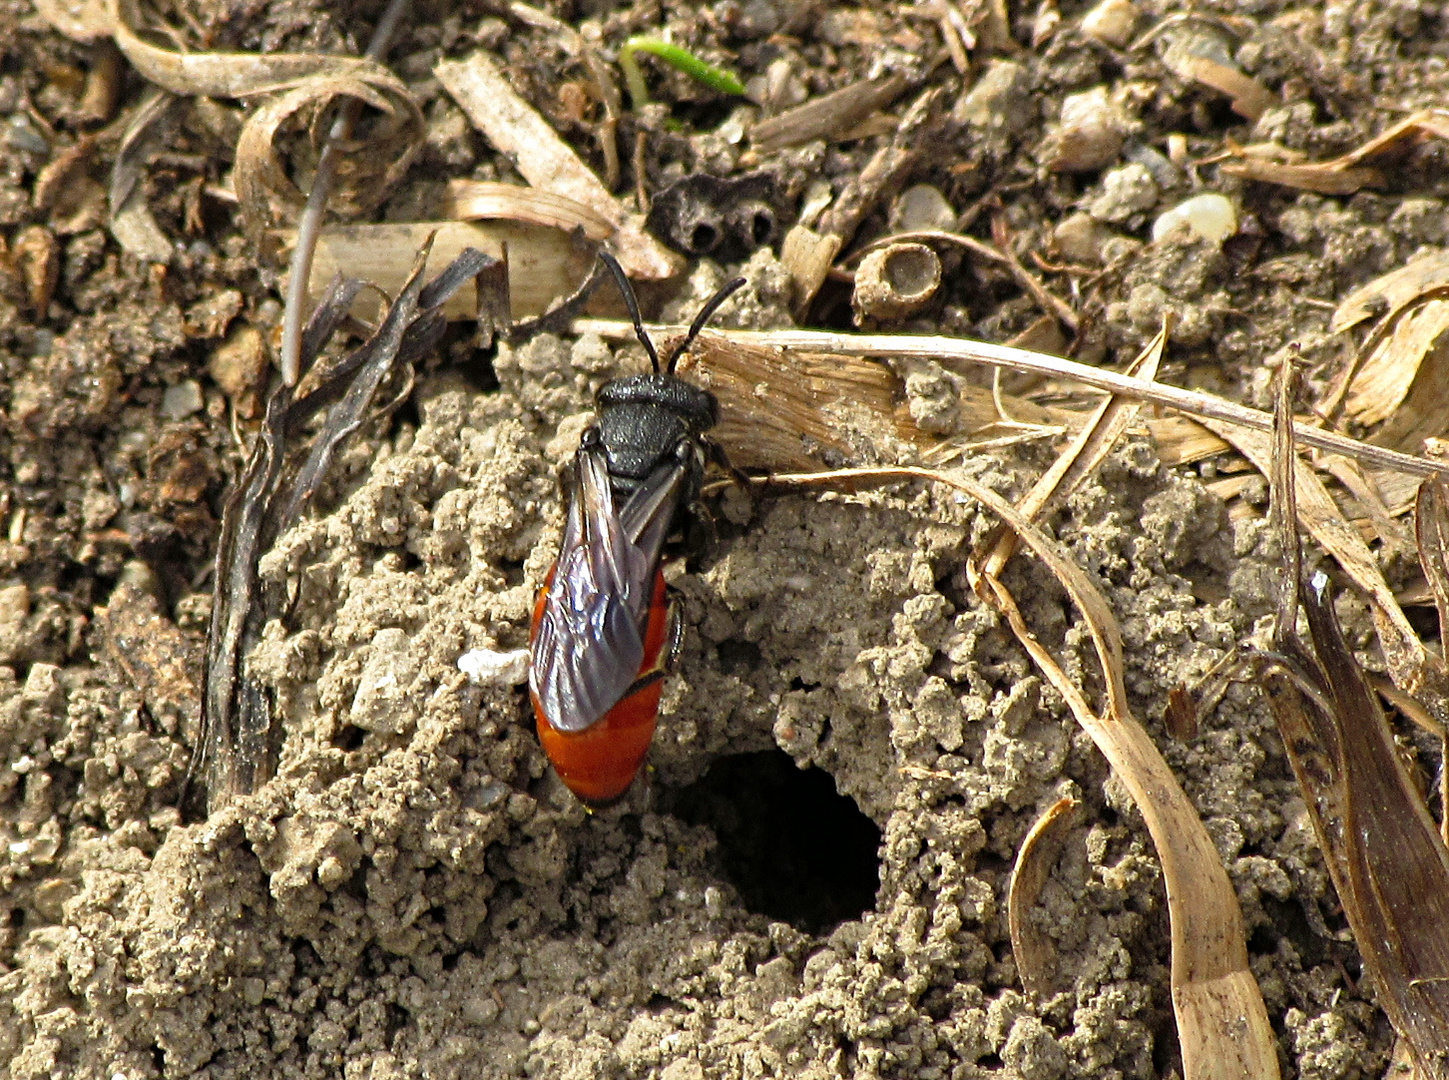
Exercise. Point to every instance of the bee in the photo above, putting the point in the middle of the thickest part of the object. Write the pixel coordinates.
(604, 630)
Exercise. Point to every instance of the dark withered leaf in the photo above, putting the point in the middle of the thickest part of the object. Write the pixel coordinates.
(1383, 850)
(237, 744)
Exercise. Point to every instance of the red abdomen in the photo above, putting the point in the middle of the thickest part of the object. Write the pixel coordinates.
(599, 763)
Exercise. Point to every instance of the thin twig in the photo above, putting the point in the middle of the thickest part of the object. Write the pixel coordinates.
(961, 351)
(310, 222)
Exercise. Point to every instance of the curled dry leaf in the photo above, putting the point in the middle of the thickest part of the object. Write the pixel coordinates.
(481, 200)
(234, 75)
(1390, 293)
(260, 177)
(1413, 305)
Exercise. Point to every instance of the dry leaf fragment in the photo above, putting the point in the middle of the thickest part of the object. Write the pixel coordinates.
(1394, 361)
(1032, 949)
(481, 200)
(1388, 294)
(1345, 174)
(547, 162)
(260, 177)
(1317, 178)
(1413, 302)
(80, 20)
(828, 116)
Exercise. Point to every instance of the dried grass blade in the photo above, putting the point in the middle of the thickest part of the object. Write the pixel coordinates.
(1431, 526)
(1081, 457)
(1385, 855)
(963, 355)
(1222, 1022)
(827, 116)
(1404, 652)
(547, 162)
(1032, 949)
(235, 750)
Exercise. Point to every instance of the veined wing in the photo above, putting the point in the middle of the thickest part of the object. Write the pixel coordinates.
(588, 645)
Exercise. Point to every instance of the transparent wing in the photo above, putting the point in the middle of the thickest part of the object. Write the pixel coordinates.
(589, 642)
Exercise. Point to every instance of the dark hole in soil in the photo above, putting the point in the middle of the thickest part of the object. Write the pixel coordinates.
(794, 848)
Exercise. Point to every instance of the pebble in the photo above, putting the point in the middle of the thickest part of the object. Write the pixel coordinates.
(1000, 100)
(1111, 22)
(489, 667)
(181, 400)
(1125, 191)
(922, 207)
(1079, 238)
(1088, 135)
(1210, 217)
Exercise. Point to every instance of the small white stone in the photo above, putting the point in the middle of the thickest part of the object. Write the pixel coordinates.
(1210, 217)
(181, 400)
(1111, 22)
(488, 667)
(922, 207)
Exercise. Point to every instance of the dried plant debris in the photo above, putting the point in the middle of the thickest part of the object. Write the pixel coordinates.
(546, 161)
(545, 264)
(1386, 856)
(1033, 950)
(263, 188)
(1398, 378)
(235, 751)
(1223, 1027)
(1344, 174)
(831, 116)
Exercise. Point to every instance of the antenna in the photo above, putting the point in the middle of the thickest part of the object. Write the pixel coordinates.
(711, 306)
(633, 303)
